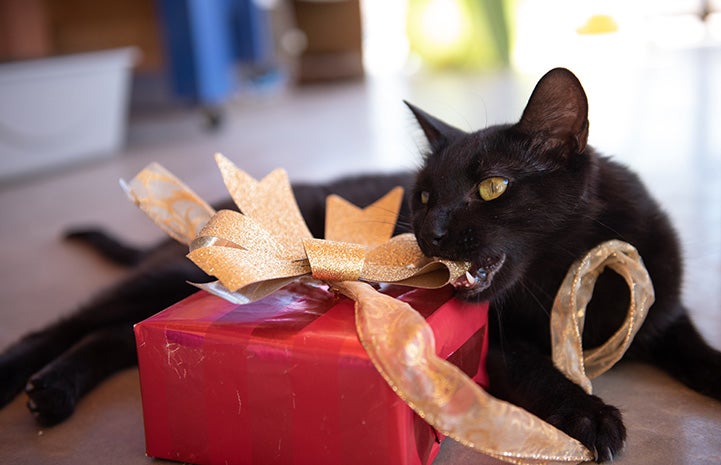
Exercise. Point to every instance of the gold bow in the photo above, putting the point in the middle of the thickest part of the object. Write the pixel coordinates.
(268, 245)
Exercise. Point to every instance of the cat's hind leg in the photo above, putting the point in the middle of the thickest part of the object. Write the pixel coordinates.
(28, 355)
(144, 293)
(682, 352)
(54, 391)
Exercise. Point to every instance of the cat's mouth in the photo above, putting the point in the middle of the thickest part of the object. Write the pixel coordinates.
(480, 276)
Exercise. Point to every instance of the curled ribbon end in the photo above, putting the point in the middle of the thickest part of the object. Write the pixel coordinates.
(127, 190)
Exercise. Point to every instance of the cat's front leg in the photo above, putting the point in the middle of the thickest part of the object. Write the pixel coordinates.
(519, 373)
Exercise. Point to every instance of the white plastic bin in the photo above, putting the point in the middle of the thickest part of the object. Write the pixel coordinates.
(58, 110)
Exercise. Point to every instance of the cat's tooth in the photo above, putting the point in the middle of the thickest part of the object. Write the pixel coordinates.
(471, 279)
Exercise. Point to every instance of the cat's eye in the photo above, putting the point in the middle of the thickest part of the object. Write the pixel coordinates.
(425, 196)
(492, 188)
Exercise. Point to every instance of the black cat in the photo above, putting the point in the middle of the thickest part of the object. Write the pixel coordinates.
(522, 202)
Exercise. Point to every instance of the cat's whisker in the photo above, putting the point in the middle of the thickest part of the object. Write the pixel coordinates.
(603, 225)
(372, 222)
(534, 298)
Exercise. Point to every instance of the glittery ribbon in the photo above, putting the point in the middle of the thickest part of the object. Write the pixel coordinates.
(256, 252)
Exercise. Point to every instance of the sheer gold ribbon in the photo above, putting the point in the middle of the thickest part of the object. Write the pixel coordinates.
(268, 245)
(569, 311)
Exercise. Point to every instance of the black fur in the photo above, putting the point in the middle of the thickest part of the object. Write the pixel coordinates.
(108, 246)
(562, 199)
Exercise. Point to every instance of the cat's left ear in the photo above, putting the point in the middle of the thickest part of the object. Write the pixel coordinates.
(437, 132)
(556, 115)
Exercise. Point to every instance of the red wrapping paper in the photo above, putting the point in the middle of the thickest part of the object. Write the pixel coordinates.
(284, 380)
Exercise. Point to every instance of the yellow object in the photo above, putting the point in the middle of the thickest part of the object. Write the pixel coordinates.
(468, 34)
(598, 24)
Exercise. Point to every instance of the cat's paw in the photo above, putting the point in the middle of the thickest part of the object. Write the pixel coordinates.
(52, 399)
(596, 425)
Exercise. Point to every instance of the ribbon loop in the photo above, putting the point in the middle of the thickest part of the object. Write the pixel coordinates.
(243, 232)
(269, 201)
(569, 311)
(335, 261)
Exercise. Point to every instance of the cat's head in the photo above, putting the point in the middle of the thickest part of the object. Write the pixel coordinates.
(499, 196)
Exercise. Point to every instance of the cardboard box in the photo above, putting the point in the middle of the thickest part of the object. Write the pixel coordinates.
(334, 39)
(285, 380)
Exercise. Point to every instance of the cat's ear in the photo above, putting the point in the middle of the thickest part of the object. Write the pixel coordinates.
(437, 132)
(556, 115)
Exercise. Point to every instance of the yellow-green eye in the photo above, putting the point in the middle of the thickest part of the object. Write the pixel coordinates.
(492, 188)
(425, 196)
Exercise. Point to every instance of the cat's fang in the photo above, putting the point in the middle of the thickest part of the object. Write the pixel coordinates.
(471, 279)
(466, 281)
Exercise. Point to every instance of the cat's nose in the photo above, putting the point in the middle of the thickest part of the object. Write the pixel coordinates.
(435, 229)
(437, 235)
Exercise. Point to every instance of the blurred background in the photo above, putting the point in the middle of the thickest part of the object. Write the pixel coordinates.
(85, 80)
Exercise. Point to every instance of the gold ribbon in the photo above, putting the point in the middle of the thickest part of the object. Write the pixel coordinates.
(255, 252)
(569, 311)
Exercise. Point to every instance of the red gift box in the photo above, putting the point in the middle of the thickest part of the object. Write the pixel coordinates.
(284, 380)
